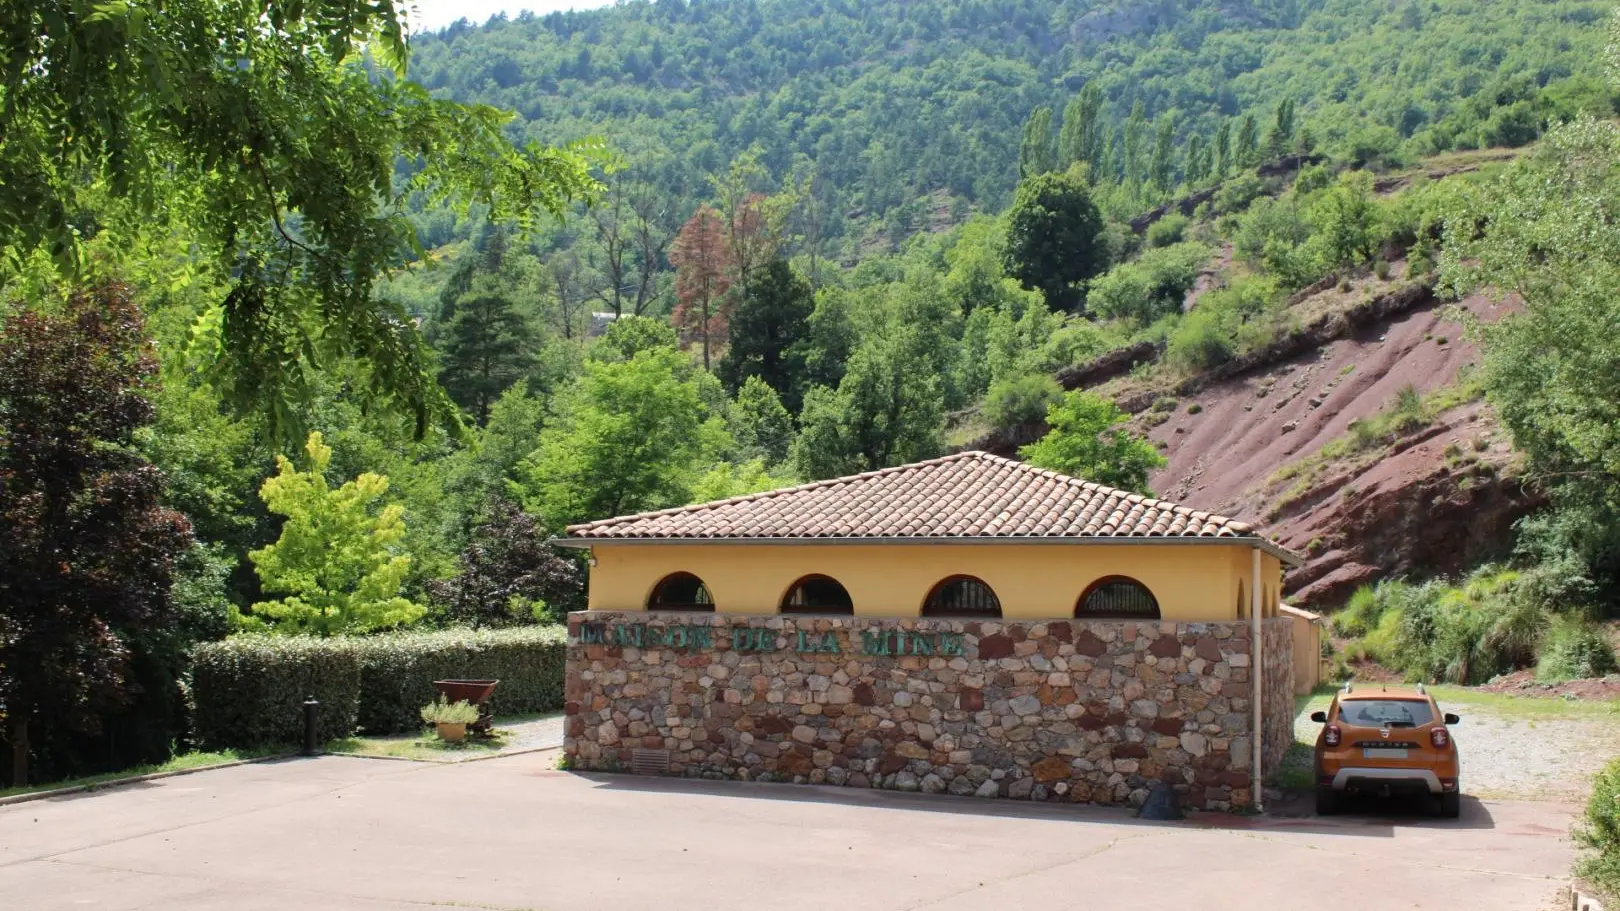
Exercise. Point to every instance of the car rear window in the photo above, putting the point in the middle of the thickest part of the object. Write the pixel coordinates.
(1376, 713)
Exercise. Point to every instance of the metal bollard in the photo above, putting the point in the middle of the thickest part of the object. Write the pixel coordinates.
(312, 711)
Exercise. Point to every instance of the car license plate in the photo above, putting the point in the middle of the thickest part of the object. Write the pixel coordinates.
(1383, 753)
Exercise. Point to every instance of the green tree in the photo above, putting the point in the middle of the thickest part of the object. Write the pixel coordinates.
(1247, 151)
(1223, 148)
(769, 328)
(888, 410)
(1088, 440)
(761, 428)
(335, 560)
(489, 345)
(1281, 136)
(1545, 231)
(629, 436)
(1198, 165)
(1346, 222)
(1036, 154)
(628, 336)
(1162, 168)
(260, 127)
(1054, 238)
(1082, 136)
(1136, 161)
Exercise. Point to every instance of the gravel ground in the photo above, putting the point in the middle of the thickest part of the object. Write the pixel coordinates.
(1517, 758)
(1516, 748)
(533, 734)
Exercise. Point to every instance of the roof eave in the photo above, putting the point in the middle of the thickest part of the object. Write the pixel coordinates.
(1286, 556)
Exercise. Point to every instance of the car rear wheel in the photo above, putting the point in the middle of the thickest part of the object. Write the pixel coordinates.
(1327, 801)
(1451, 805)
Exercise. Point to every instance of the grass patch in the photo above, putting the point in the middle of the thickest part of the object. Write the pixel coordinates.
(1298, 767)
(1510, 705)
(427, 747)
(1369, 439)
(181, 763)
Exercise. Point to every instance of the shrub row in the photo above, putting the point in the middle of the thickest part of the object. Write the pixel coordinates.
(249, 690)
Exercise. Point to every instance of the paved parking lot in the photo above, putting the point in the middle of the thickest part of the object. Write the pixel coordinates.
(511, 833)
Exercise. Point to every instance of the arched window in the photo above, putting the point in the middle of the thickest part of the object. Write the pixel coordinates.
(681, 591)
(817, 595)
(1117, 598)
(962, 596)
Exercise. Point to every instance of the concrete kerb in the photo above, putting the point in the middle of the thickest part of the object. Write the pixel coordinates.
(155, 776)
(135, 779)
(486, 758)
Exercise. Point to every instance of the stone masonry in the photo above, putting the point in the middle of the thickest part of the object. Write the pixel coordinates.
(1080, 711)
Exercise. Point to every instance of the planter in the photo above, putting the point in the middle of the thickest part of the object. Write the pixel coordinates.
(451, 733)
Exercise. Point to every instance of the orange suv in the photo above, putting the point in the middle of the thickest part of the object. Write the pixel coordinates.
(1383, 740)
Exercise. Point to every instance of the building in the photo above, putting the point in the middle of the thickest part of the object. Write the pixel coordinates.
(968, 624)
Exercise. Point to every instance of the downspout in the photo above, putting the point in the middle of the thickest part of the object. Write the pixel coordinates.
(1255, 672)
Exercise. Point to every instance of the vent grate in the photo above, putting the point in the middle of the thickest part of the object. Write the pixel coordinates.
(649, 762)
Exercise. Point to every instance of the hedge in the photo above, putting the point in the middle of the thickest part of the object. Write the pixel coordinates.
(249, 690)
(397, 672)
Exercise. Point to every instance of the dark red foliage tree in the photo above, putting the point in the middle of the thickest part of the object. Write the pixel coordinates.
(508, 558)
(703, 268)
(87, 553)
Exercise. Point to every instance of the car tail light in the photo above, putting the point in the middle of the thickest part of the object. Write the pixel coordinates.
(1331, 736)
(1440, 737)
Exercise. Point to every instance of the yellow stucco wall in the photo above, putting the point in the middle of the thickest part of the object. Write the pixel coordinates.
(1033, 581)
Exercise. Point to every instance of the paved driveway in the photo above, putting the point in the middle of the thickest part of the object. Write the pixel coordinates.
(347, 833)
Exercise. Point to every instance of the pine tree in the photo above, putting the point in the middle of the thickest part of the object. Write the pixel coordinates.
(767, 331)
(1035, 152)
(489, 345)
(703, 266)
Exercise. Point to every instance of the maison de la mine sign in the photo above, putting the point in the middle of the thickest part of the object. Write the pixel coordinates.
(968, 625)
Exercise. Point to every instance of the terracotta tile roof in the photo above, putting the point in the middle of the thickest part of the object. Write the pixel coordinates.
(967, 495)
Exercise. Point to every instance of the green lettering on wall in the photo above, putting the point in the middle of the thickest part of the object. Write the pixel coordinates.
(700, 637)
(951, 644)
(628, 634)
(920, 644)
(829, 643)
(803, 643)
(590, 634)
(874, 642)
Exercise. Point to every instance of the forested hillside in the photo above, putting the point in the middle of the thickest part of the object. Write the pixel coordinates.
(906, 109)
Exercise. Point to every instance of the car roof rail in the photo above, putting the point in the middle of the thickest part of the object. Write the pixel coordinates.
(1348, 684)
(1422, 690)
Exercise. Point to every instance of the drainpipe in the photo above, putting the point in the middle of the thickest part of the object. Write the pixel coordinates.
(1255, 671)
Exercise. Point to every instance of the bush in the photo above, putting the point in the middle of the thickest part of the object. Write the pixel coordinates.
(1575, 651)
(1199, 342)
(1440, 632)
(397, 672)
(1151, 287)
(1168, 230)
(1022, 401)
(1599, 832)
(249, 690)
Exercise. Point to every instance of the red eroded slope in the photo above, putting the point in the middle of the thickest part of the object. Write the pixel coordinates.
(1407, 510)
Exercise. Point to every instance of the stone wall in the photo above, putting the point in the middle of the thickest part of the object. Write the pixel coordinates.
(1059, 710)
(1277, 690)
